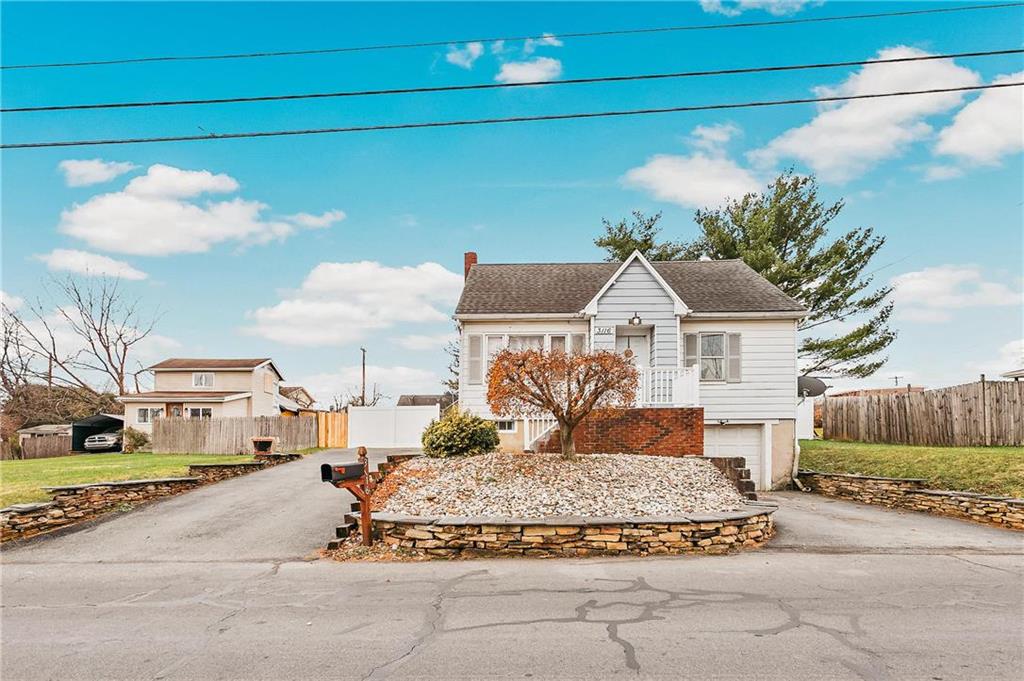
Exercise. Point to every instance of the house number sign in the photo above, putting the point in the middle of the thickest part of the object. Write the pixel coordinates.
(604, 331)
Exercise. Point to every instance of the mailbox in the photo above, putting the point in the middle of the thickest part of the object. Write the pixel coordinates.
(340, 472)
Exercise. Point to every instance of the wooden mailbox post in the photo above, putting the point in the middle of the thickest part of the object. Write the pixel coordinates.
(354, 477)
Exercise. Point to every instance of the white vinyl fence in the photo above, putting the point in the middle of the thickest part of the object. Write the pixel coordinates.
(389, 426)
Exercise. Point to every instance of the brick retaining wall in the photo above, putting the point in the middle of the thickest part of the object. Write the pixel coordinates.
(910, 494)
(452, 536)
(656, 431)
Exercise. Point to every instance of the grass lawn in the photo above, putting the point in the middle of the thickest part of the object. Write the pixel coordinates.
(989, 470)
(20, 480)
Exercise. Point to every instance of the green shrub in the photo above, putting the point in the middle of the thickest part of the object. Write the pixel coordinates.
(459, 433)
(133, 440)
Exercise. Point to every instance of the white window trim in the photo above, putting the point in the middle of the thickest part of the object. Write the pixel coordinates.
(498, 423)
(197, 374)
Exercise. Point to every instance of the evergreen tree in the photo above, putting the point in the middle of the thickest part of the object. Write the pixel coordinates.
(783, 234)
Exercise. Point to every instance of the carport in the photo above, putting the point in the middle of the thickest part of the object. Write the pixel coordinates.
(92, 425)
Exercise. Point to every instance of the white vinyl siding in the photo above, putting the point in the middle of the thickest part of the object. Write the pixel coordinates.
(766, 362)
(637, 292)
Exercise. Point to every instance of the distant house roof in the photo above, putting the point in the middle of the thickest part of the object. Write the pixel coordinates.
(556, 288)
(208, 364)
(184, 396)
(445, 400)
(1016, 373)
(298, 394)
(47, 429)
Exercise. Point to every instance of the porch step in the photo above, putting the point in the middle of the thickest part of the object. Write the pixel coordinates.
(344, 531)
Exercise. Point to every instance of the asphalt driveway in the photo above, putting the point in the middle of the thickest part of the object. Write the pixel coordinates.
(844, 592)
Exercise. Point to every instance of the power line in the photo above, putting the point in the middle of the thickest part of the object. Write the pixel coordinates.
(495, 86)
(586, 34)
(493, 121)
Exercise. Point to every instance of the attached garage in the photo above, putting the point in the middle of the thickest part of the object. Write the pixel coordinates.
(739, 440)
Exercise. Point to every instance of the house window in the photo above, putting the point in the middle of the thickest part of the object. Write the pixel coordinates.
(526, 342)
(148, 415)
(579, 343)
(474, 362)
(506, 426)
(202, 379)
(200, 413)
(712, 357)
(558, 344)
(494, 346)
(268, 382)
(718, 356)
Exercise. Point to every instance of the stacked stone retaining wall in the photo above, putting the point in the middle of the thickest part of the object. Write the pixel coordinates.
(459, 536)
(911, 494)
(73, 504)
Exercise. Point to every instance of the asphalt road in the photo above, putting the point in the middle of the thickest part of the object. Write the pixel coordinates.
(844, 592)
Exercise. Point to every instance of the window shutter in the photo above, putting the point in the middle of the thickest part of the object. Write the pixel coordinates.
(734, 350)
(690, 349)
(474, 359)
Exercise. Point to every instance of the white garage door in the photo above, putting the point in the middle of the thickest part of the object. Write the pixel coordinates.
(742, 441)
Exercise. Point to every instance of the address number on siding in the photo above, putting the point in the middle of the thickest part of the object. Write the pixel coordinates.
(604, 331)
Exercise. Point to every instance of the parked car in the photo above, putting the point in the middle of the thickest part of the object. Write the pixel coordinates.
(110, 439)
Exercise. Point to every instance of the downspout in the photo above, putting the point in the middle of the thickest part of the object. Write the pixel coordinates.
(795, 473)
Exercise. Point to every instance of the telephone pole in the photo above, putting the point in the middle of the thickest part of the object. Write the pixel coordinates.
(362, 391)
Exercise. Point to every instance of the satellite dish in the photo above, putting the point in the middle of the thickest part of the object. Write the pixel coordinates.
(809, 386)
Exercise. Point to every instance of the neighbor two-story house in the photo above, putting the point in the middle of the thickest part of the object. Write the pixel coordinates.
(712, 334)
(206, 388)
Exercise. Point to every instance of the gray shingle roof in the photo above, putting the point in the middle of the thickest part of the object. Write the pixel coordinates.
(704, 285)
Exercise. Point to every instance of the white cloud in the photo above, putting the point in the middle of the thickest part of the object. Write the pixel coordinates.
(340, 302)
(464, 57)
(11, 302)
(153, 215)
(845, 140)
(1008, 357)
(392, 381)
(426, 342)
(938, 173)
(930, 294)
(530, 45)
(990, 127)
(80, 173)
(321, 221)
(732, 9)
(498, 47)
(89, 264)
(713, 137)
(702, 179)
(541, 68)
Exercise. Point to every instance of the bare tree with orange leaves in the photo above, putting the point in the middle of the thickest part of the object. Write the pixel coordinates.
(566, 386)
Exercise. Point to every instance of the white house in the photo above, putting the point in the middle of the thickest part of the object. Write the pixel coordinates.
(207, 388)
(713, 334)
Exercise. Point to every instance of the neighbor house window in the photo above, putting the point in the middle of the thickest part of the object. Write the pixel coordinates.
(202, 379)
(148, 415)
(718, 356)
(268, 382)
(506, 426)
(200, 413)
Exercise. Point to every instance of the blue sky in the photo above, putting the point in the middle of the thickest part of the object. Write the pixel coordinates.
(306, 248)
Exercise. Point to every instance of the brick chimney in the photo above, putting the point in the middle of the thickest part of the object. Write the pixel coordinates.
(468, 260)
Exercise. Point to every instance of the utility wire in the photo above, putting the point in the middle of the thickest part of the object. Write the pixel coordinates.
(495, 86)
(586, 34)
(493, 121)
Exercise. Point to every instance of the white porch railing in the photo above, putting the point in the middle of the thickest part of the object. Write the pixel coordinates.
(537, 428)
(669, 387)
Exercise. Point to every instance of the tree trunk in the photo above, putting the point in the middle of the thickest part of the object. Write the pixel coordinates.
(567, 441)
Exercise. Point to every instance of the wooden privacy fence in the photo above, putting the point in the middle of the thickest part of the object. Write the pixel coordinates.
(976, 414)
(332, 429)
(46, 447)
(231, 435)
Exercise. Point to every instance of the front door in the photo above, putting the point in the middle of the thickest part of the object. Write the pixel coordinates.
(639, 349)
(176, 410)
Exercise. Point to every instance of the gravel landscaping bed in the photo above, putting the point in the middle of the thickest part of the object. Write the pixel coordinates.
(545, 485)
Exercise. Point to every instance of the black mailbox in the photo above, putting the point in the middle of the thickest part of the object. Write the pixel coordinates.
(340, 472)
